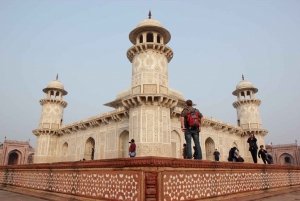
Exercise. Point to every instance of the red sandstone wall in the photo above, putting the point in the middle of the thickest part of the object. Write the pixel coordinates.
(149, 178)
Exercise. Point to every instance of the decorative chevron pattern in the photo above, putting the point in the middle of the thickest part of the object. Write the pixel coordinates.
(110, 185)
(195, 185)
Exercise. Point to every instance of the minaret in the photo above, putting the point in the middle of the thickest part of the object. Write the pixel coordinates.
(51, 120)
(149, 57)
(150, 99)
(248, 117)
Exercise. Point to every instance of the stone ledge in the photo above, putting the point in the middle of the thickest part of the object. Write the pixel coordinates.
(149, 161)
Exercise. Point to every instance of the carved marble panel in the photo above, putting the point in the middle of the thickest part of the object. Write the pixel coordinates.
(136, 90)
(163, 90)
(150, 88)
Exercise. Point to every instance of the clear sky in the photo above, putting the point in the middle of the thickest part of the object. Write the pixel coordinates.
(85, 42)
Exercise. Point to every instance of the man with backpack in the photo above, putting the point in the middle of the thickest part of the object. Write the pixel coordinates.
(191, 122)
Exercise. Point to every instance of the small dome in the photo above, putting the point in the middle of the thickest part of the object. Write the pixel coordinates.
(150, 22)
(55, 84)
(244, 84)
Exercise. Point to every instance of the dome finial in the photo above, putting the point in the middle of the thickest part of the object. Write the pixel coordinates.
(149, 14)
(242, 77)
(57, 76)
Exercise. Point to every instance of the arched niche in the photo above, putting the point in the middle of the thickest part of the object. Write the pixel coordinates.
(30, 158)
(14, 157)
(89, 146)
(124, 144)
(141, 38)
(149, 37)
(209, 148)
(286, 159)
(158, 38)
(175, 144)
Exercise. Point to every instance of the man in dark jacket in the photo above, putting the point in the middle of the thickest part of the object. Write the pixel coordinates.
(253, 147)
(263, 153)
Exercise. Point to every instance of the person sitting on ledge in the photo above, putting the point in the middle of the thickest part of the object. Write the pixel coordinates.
(234, 155)
(132, 149)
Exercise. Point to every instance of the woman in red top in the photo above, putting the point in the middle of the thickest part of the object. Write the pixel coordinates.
(132, 148)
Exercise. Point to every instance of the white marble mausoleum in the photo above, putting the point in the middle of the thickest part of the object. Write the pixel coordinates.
(148, 111)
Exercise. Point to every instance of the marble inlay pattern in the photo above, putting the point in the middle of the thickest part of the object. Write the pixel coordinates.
(112, 185)
(195, 185)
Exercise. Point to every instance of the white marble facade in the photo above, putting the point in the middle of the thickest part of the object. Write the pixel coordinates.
(149, 111)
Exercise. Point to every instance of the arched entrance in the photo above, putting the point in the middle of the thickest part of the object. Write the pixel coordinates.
(13, 158)
(124, 144)
(175, 144)
(209, 148)
(89, 146)
(65, 151)
(30, 158)
(286, 159)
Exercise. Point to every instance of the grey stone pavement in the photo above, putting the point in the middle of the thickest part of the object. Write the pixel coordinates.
(285, 197)
(292, 196)
(10, 196)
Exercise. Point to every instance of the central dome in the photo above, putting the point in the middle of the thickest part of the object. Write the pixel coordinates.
(150, 22)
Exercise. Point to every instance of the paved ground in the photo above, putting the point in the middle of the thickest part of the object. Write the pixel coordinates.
(287, 196)
(10, 196)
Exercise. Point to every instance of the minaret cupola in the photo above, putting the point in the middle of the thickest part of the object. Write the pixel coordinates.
(53, 106)
(247, 107)
(149, 56)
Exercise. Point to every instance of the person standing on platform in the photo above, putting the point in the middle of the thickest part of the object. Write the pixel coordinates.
(195, 153)
(253, 147)
(263, 153)
(191, 123)
(184, 152)
(92, 156)
(132, 149)
(216, 155)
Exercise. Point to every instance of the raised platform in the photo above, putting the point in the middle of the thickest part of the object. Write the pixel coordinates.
(149, 178)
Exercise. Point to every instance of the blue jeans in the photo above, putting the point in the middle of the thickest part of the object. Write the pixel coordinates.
(189, 134)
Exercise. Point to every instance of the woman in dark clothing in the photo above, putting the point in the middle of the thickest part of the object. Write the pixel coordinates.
(253, 147)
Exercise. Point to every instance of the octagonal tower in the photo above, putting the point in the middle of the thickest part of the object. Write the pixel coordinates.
(150, 101)
(50, 122)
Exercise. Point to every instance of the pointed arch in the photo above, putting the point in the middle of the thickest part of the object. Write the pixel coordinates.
(65, 149)
(123, 144)
(89, 147)
(158, 38)
(149, 37)
(30, 158)
(141, 38)
(209, 148)
(14, 157)
(175, 144)
(286, 159)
